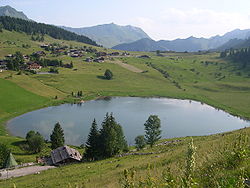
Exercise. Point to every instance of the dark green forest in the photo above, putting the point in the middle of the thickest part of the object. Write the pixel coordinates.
(31, 28)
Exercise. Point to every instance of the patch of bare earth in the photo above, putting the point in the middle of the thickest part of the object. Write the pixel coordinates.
(23, 171)
(128, 67)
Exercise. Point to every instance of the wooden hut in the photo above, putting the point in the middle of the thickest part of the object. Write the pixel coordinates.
(64, 155)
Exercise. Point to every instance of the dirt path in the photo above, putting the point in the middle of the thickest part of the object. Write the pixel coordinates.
(23, 171)
(128, 67)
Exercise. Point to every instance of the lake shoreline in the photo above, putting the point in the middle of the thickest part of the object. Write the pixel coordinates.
(51, 103)
(160, 106)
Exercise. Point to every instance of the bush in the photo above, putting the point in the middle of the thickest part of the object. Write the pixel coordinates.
(140, 142)
(35, 141)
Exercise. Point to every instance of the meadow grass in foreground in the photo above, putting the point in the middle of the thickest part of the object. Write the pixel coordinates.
(210, 150)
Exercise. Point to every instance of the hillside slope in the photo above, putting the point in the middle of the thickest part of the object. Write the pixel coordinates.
(31, 27)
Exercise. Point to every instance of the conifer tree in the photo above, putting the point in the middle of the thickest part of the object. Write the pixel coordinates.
(112, 138)
(108, 74)
(57, 137)
(92, 151)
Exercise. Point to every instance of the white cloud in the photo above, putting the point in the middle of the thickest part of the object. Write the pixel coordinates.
(177, 23)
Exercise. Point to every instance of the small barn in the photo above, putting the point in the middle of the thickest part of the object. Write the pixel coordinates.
(65, 154)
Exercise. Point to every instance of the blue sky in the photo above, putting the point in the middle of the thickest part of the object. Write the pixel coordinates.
(161, 19)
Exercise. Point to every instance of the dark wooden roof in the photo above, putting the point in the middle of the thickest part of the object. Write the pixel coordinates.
(63, 153)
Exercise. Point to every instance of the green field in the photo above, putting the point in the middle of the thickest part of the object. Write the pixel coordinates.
(203, 77)
(108, 173)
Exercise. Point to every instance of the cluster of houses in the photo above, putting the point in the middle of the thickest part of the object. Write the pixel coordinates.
(99, 56)
(102, 56)
(3, 65)
(28, 65)
(65, 50)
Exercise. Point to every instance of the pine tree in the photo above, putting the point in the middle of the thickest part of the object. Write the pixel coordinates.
(1, 28)
(108, 74)
(4, 153)
(112, 138)
(92, 151)
(152, 129)
(57, 136)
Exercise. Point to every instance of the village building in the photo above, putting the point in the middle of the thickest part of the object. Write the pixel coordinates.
(75, 55)
(3, 65)
(34, 66)
(114, 54)
(40, 53)
(44, 46)
(65, 154)
(99, 59)
(99, 54)
(72, 50)
(25, 57)
(89, 59)
(125, 54)
(9, 56)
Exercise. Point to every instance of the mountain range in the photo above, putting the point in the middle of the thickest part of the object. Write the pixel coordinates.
(191, 44)
(132, 38)
(9, 11)
(109, 35)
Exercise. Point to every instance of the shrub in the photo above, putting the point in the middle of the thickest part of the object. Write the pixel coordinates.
(140, 142)
(35, 141)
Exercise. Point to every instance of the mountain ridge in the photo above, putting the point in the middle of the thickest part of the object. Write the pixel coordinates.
(11, 12)
(110, 35)
(190, 44)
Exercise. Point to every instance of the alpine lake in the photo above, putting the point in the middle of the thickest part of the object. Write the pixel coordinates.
(179, 118)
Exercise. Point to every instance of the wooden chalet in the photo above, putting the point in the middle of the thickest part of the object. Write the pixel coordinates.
(40, 53)
(65, 154)
(99, 59)
(114, 54)
(99, 54)
(44, 46)
(34, 66)
(3, 65)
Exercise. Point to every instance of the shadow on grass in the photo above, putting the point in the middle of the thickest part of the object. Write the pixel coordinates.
(19, 143)
(101, 77)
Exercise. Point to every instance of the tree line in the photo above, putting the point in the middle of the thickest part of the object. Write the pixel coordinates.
(110, 140)
(17, 62)
(240, 56)
(33, 28)
(102, 143)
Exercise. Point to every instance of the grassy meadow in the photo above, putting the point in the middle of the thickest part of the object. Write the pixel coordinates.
(198, 76)
(211, 150)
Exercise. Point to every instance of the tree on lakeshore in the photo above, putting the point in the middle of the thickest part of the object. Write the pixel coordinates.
(112, 139)
(57, 137)
(152, 129)
(35, 141)
(92, 151)
(140, 142)
(108, 74)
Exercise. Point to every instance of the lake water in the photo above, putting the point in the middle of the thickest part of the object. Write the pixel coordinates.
(178, 118)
